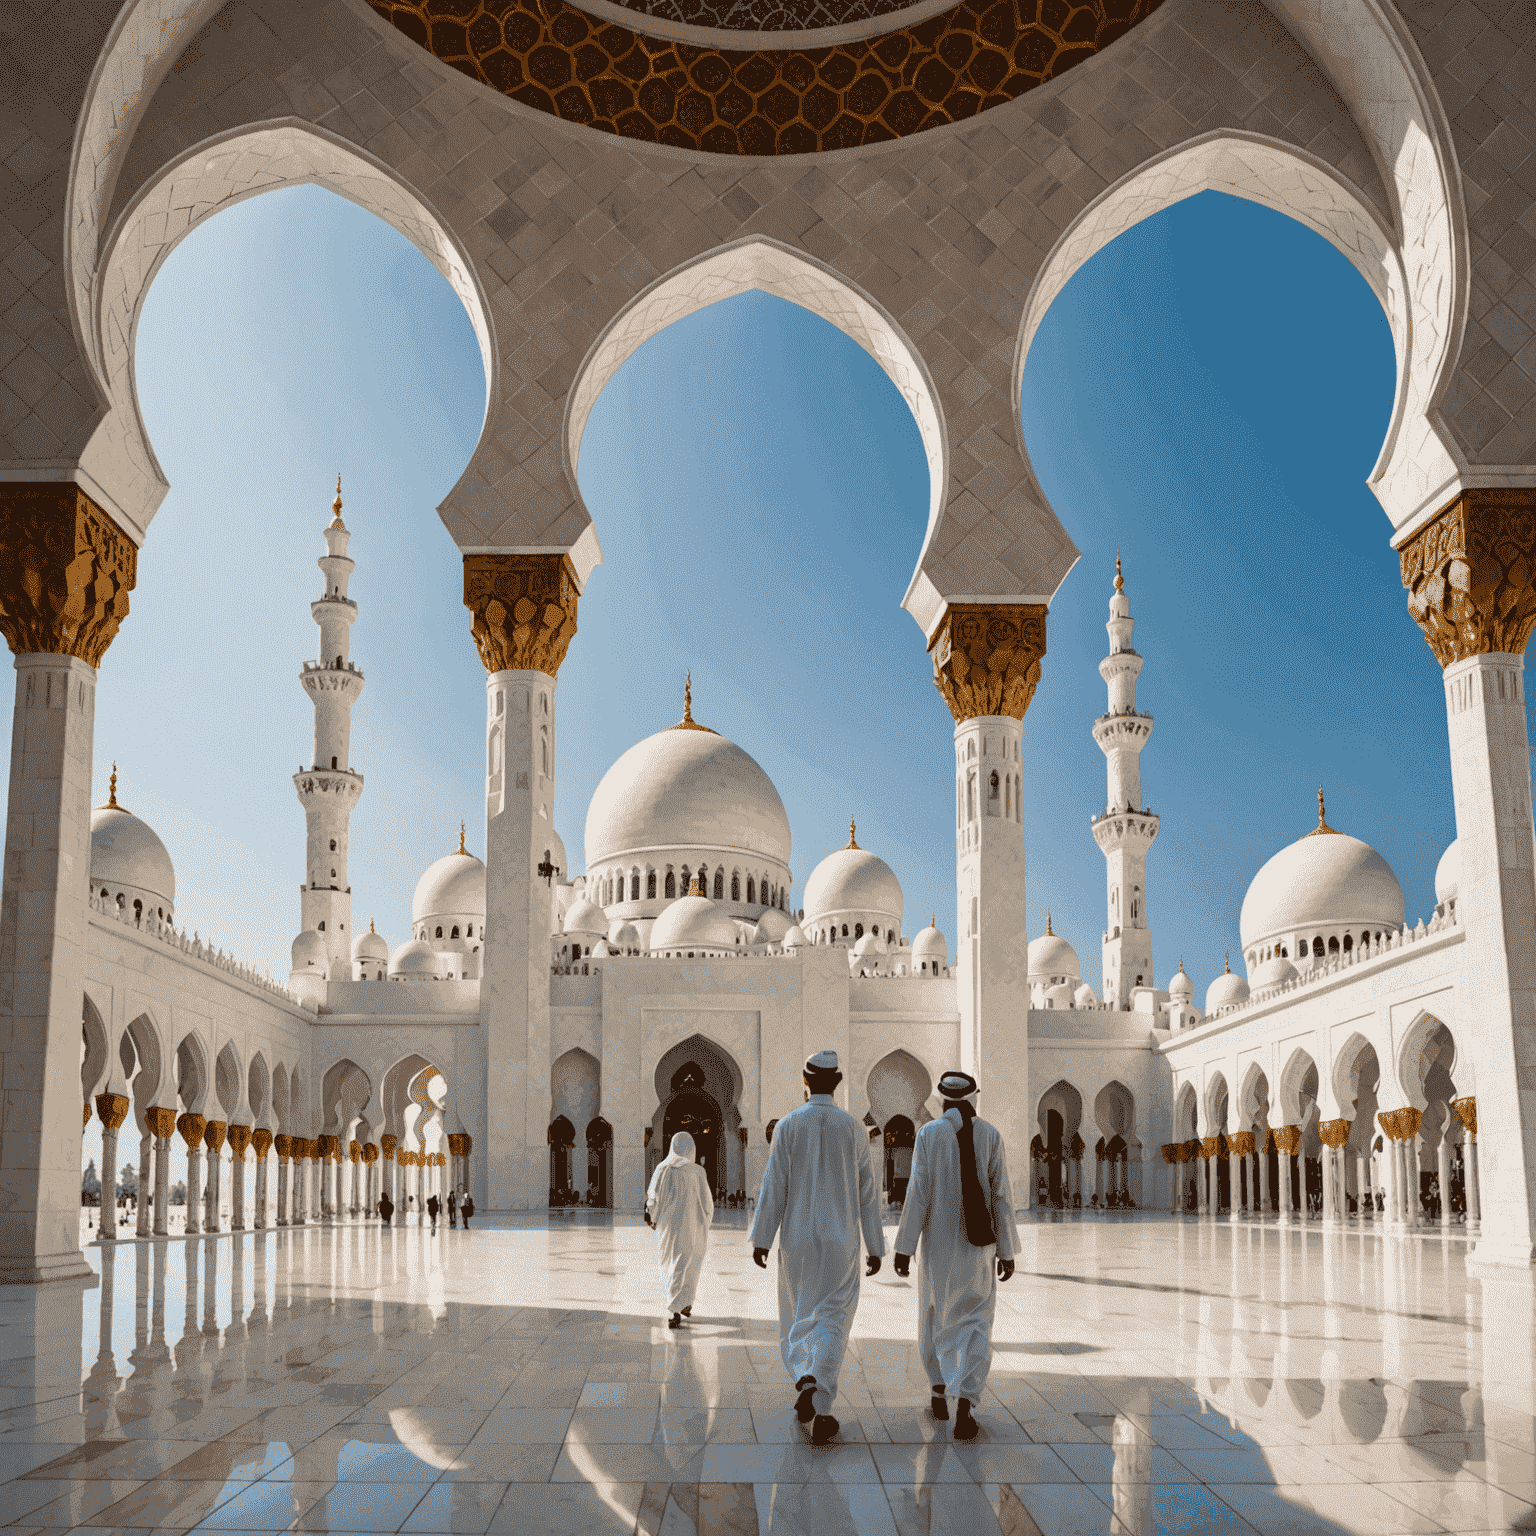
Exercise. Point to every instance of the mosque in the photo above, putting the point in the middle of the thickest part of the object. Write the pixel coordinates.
(926, 177)
(680, 988)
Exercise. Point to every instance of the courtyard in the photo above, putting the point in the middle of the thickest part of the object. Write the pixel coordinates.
(1151, 1374)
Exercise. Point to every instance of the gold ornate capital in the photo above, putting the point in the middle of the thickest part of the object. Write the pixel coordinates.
(1210, 1146)
(524, 609)
(986, 658)
(85, 1114)
(239, 1139)
(261, 1139)
(1170, 1151)
(1471, 574)
(66, 570)
(1466, 1112)
(214, 1133)
(370, 1153)
(389, 1143)
(1241, 1143)
(113, 1109)
(329, 1147)
(192, 1128)
(459, 1143)
(354, 1150)
(161, 1122)
(1334, 1133)
(1288, 1139)
(284, 1147)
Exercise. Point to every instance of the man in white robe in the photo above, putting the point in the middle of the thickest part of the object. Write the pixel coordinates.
(819, 1193)
(959, 1203)
(679, 1205)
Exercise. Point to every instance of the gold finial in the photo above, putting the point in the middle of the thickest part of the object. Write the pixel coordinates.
(698, 884)
(1048, 928)
(853, 841)
(112, 804)
(933, 919)
(688, 723)
(1226, 961)
(1119, 579)
(336, 505)
(370, 925)
(1322, 819)
(1181, 965)
(462, 848)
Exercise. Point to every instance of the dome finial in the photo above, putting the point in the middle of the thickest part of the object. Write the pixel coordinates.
(112, 804)
(1048, 927)
(1322, 819)
(1226, 961)
(688, 723)
(370, 925)
(462, 848)
(1119, 579)
(336, 505)
(1181, 965)
(853, 828)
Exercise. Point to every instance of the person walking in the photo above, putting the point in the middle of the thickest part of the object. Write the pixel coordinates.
(679, 1206)
(453, 1208)
(467, 1209)
(818, 1192)
(959, 1207)
(386, 1207)
(434, 1205)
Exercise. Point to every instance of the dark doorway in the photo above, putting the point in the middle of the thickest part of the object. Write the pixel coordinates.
(562, 1139)
(1054, 1129)
(599, 1161)
(699, 1115)
(900, 1136)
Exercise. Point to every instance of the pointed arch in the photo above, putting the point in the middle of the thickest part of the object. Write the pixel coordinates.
(228, 1084)
(95, 1054)
(192, 1075)
(1186, 1113)
(575, 1087)
(899, 1084)
(1257, 1100)
(1430, 1040)
(139, 1048)
(770, 266)
(281, 1110)
(344, 1090)
(258, 1089)
(1298, 1101)
(1114, 1111)
(1215, 1091)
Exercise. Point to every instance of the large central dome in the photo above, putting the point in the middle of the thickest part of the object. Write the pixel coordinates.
(686, 787)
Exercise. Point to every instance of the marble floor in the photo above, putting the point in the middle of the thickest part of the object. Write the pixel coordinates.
(1152, 1374)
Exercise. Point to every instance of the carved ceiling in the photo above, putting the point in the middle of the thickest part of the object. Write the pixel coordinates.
(553, 57)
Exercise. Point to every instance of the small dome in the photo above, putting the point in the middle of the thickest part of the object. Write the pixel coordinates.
(601, 949)
(870, 944)
(1059, 996)
(625, 936)
(1448, 873)
(556, 853)
(453, 887)
(583, 916)
(1273, 973)
(1182, 987)
(415, 960)
(127, 854)
(761, 934)
(929, 945)
(1084, 997)
(775, 924)
(1325, 879)
(309, 952)
(795, 938)
(1051, 955)
(693, 922)
(853, 880)
(1224, 991)
(370, 946)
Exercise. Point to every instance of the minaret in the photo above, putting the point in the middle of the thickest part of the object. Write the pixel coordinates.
(329, 789)
(1125, 831)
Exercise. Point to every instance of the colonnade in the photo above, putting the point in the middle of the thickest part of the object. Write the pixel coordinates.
(1111, 1179)
(1194, 1174)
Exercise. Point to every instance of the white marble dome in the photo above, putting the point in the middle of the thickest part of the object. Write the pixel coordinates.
(775, 924)
(1051, 955)
(1274, 972)
(1084, 997)
(870, 944)
(414, 961)
(370, 946)
(929, 945)
(1448, 874)
(795, 938)
(452, 887)
(686, 787)
(309, 953)
(128, 857)
(853, 880)
(584, 916)
(1324, 880)
(693, 923)
(625, 936)
(1226, 990)
(1182, 987)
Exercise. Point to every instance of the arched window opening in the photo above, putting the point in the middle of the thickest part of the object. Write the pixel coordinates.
(736, 885)
(634, 885)
(1333, 945)
(845, 930)
(455, 932)
(544, 749)
(751, 891)
(469, 932)
(858, 930)
(650, 885)
(719, 885)
(671, 886)
(1317, 948)
(1349, 943)
(439, 930)
(138, 909)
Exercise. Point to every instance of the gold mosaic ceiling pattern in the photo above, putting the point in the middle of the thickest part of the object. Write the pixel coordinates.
(763, 101)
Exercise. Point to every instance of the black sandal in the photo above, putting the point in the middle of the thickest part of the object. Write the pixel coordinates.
(805, 1409)
(938, 1407)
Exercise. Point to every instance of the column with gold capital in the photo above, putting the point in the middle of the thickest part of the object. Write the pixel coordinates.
(65, 573)
(986, 664)
(524, 618)
(1471, 578)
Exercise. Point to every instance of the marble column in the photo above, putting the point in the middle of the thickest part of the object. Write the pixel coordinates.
(214, 1134)
(1443, 1175)
(261, 1142)
(113, 1109)
(299, 1179)
(162, 1125)
(65, 573)
(1234, 1183)
(1466, 1112)
(192, 1127)
(1262, 1137)
(1471, 579)
(144, 1204)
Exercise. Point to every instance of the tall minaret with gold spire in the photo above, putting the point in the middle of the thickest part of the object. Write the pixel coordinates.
(329, 789)
(1126, 829)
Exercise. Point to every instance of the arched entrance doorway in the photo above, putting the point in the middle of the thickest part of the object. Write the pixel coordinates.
(693, 1110)
(600, 1163)
(698, 1090)
(562, 1143)
(900, 1137)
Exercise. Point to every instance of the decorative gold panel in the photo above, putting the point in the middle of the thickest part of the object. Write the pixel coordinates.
(1287, 1139)
(214, 1133)
(761, 101)
(284, 1147)
(1241, 1143)
(1334, 1133)
(161, 1122)
(192, 1128)
(239, 1139)
(986, 658)
(261, 1139)
(66, 570)
(1466, 1112)
(1471, 575)
(524, 609)
(113, 1109)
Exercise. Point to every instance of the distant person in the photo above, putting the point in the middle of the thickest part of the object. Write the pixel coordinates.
(434, 1205)
(960, 1204)
(818, 1191)
(453, 1208)
(386, 1207)
(467, 1209)
(679, 1206)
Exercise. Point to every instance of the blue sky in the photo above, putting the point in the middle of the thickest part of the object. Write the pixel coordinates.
(1209, 393)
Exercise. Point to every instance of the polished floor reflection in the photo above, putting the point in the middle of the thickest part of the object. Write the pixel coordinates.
(1152, 1374)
